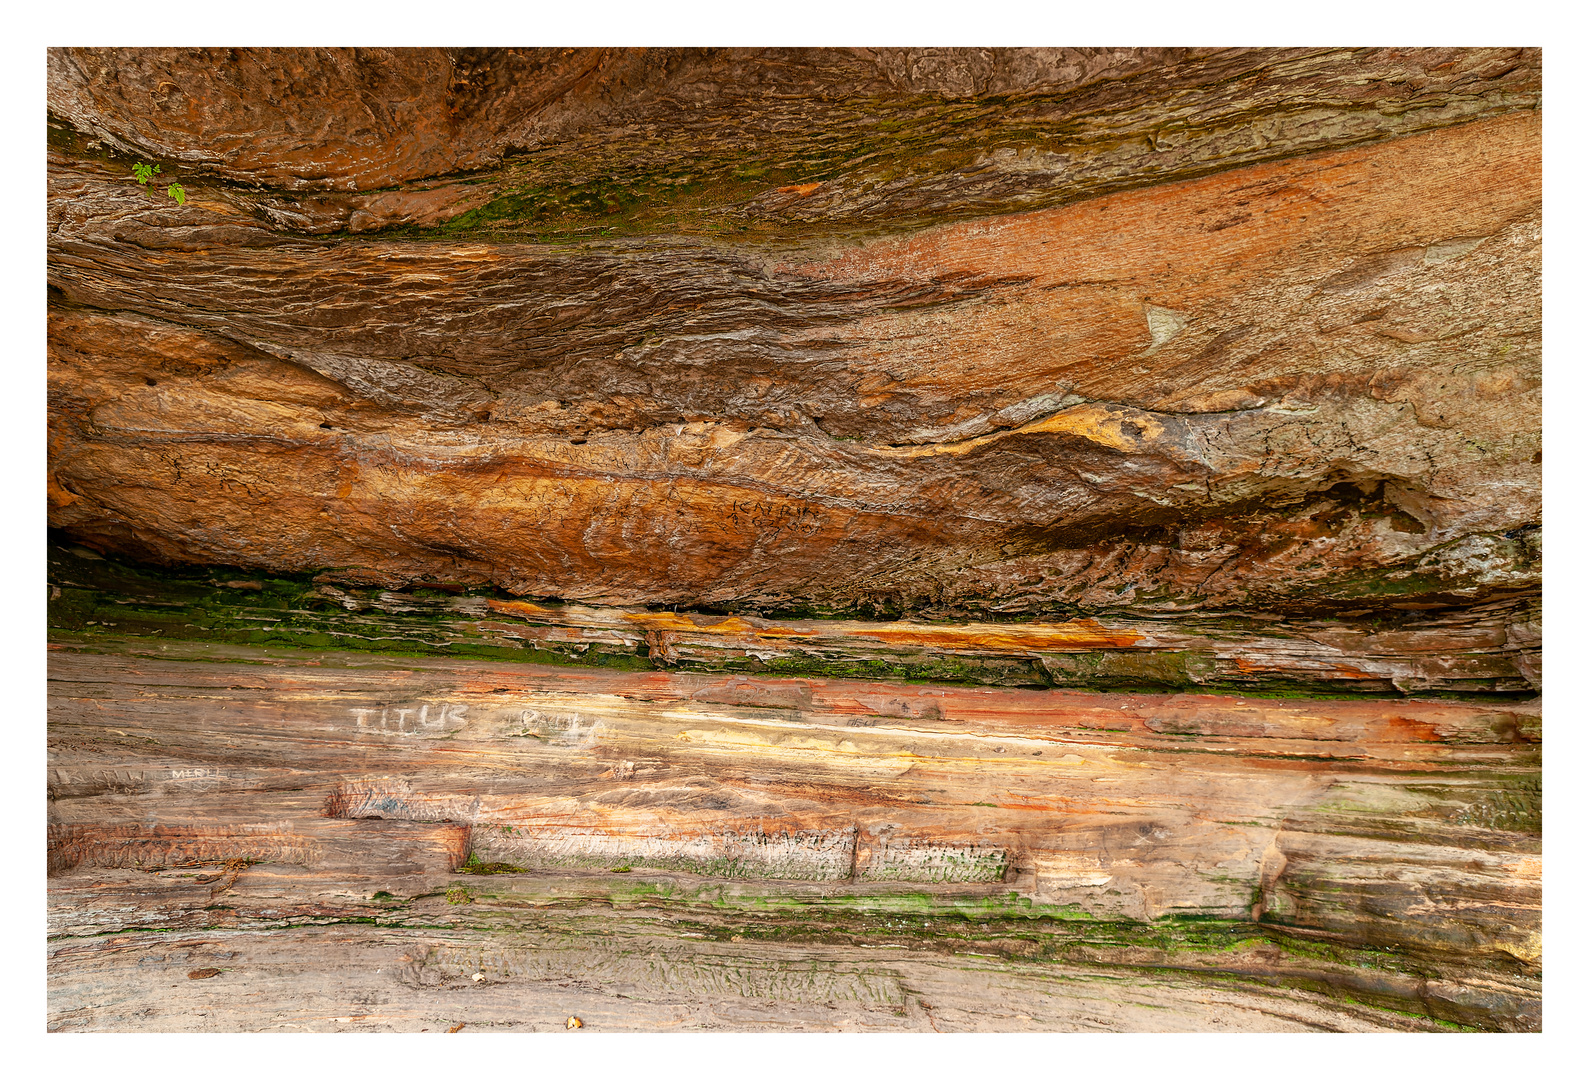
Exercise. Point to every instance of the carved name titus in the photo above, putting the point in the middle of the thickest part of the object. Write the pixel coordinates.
(408, 719)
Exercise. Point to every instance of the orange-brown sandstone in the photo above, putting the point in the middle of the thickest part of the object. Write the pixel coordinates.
(986, 379)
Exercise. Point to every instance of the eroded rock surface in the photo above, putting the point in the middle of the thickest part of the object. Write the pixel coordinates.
(537, 826)
(1260, 385)
(992, 378)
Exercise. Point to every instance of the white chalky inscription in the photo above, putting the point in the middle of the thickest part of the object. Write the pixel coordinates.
(409, 719)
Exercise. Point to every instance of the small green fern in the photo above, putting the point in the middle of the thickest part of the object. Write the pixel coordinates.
(145, 173)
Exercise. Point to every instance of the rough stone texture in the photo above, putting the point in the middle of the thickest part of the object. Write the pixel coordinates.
(1489, 649)
(1269, 381)
(602, 140)
(1027, 373)
(1043, 830)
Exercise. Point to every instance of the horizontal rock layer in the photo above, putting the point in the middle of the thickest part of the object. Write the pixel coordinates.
(570, 142)
(254, 793)
(1487, 650)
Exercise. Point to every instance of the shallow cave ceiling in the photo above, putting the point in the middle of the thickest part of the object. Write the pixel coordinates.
(1015, 331)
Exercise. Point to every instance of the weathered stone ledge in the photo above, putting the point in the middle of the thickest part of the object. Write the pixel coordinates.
(1475, 652)
(1256, 843)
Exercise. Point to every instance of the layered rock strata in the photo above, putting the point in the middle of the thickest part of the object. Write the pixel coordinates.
(1291, 851)
(1257, 387)
(1093, 391)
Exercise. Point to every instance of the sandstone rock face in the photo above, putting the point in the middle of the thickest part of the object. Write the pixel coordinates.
(1254, 387)
(748, 833)
(1172, 369)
